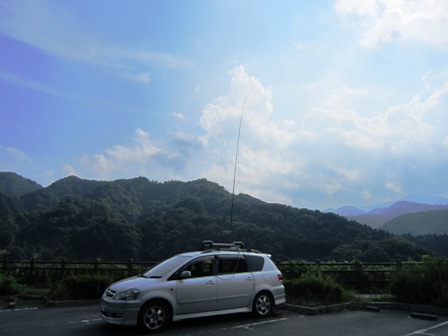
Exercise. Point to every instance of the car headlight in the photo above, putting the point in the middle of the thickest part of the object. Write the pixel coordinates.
(127, 295)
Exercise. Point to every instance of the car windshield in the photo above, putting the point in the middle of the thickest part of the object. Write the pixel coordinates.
(166, 267)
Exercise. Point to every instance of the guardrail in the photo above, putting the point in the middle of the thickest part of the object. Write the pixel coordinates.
(358, 275)
(368, 275)
(35, 272)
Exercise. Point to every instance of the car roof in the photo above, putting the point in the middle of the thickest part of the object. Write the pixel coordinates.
(215, 252)
(208, 247)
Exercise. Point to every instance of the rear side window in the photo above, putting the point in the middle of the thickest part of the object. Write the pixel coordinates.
(254, 263)
(230, 265)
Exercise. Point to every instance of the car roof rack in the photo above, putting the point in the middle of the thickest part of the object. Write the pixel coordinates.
(235, 246)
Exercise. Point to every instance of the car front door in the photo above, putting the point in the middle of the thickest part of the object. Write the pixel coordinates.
(197, 293)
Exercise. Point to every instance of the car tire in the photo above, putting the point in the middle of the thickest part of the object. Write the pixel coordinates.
(154, 316)
(263, 304)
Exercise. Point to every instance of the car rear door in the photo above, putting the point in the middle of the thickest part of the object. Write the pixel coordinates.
(235, 283)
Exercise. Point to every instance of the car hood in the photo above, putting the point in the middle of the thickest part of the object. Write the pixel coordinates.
(134, 282)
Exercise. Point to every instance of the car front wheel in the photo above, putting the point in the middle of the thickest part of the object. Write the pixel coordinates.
(154, 316)
(263, 304)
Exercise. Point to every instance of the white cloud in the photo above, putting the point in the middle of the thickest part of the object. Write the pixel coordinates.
(123, 158)
(69, 170)
(249, 99)
(49, 25)
(17, 154)
(143, 77)
(328, 150)
(197, 89)
(445, 143)
(394, 187)
(383, 21)
(265, 139)
(179, 116)
(404, 129)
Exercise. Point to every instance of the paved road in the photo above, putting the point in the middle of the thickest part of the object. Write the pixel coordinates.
(37, 320)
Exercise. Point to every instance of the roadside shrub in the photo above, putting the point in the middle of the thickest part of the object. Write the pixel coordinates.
(314, 289)
(296, 268)
(80, 287)
(425, 283)
(8, 285)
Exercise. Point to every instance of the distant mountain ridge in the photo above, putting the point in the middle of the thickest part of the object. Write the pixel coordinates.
(352, 210)
(380, 216)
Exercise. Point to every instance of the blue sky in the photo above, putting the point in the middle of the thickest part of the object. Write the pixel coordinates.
(342, 102)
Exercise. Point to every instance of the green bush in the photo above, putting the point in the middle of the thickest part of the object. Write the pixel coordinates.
(314, 289)
(295, 268)
(8, 285)
(424, 283)
(79, 287)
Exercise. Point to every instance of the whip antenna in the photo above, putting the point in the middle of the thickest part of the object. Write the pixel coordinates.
(236, 163)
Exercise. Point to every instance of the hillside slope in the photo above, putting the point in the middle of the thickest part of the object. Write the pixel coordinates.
(149, 220)
(14, 185)
(417, 224)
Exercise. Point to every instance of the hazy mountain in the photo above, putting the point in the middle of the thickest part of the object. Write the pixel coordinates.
(426, 199)
(347, 211)
(378, 216)
(404, 207)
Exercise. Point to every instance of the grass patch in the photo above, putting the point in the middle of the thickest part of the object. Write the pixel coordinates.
(80, 287)
(9, 285)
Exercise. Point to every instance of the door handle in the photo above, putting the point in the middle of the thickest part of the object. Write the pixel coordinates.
(210, 283)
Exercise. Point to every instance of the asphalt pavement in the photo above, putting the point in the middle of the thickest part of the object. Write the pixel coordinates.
(32, 317)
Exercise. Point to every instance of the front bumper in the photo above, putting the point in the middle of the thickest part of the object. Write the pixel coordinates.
(119, 312)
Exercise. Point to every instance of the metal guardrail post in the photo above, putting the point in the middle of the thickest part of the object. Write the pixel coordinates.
(31, 270)
(130, 264)
(62, 267)
(95, 266)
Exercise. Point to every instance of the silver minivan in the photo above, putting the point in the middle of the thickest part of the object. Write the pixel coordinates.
(220, 279)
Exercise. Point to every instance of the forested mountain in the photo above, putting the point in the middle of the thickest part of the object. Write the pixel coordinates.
(421, 223)
(149, 220)
(14, 185)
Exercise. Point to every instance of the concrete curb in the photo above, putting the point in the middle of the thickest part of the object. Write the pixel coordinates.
(318, 310)
(69, 303)
(417, 311)
(13, 301)
(432, 310)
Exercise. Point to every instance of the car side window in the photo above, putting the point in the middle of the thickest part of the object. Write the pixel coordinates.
(231, 264)
(200, 267)
(254, 263)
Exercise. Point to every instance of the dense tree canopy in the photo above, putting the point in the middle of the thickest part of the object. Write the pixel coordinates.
(149, 220)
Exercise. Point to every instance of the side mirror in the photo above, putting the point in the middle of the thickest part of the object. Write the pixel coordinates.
(185, 274)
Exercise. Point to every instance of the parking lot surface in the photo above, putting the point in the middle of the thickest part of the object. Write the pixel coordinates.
(35, 319)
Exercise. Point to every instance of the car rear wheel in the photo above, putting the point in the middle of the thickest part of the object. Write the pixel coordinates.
(263, 304)
(154, 316)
